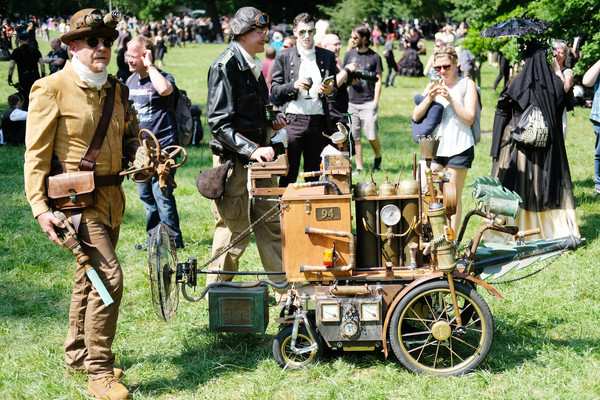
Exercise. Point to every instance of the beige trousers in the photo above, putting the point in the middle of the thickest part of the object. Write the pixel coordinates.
(92, 325)
(233, 216)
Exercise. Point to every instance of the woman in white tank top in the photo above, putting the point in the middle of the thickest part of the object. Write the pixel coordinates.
(459, 98)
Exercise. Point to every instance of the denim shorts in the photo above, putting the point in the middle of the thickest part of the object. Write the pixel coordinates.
(462, 160)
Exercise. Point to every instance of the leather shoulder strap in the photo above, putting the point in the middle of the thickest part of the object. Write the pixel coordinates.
(88, 161)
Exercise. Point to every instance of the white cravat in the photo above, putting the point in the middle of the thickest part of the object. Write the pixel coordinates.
(94, 80)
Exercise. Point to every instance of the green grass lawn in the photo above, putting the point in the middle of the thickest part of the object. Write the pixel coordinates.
(546, 343)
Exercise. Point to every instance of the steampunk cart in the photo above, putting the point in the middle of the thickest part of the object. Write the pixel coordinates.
(378, 269)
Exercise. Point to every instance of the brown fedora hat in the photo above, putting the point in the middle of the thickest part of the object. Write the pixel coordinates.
(90, 22)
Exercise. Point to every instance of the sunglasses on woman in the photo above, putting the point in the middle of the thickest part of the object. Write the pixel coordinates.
(443, 67)
(94, 42)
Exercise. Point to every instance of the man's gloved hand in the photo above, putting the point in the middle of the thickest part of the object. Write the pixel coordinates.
(10, 80)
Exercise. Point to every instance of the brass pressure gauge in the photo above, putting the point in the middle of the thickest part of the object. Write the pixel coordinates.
(349, 328)
(390, 215)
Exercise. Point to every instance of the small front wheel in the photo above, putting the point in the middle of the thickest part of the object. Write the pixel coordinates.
(285, 355)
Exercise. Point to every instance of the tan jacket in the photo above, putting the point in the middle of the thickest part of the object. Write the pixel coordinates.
(63, 115)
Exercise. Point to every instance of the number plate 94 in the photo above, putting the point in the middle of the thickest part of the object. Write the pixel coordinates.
(328, 213)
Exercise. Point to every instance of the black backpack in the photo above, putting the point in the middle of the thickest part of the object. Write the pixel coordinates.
(183, 116)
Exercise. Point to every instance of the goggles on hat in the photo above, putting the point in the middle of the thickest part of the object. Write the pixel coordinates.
(261, 20)
(95, 19)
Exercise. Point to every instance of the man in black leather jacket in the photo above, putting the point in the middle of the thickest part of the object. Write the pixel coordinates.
(237, 116)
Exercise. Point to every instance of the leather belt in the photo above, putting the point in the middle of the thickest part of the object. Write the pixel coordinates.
(108, 180)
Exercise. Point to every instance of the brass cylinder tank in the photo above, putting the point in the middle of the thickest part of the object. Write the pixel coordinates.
(410, 217)
(445, 250)
(366, 246)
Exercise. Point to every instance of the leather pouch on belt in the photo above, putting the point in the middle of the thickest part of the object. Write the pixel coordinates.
(72, 190)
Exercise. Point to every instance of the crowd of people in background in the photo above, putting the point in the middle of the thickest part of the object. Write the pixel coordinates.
(399, 42)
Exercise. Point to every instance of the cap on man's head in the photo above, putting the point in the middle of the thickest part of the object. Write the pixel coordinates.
(23, 36)
(247, 19)
(90, 22)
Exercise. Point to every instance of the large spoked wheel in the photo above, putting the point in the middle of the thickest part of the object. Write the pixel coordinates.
(424, 334)
(286, 357)
(162, 271)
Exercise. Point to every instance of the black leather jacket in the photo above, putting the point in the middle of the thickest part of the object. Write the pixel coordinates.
(236, 104)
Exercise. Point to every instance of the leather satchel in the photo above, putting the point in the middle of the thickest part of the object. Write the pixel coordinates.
(429, 122)
(211, 182)
(72, 190)
(76, 190)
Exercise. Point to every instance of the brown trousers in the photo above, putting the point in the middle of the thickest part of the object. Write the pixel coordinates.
(92, 325)
(233, 215)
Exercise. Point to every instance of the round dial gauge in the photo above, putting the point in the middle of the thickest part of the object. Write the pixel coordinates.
(349, 328)
(390, 215)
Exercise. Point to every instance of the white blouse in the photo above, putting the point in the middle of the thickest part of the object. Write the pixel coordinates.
(455, 136)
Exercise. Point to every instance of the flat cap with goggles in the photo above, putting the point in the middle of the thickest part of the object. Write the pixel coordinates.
(92, 23)
(247, 19)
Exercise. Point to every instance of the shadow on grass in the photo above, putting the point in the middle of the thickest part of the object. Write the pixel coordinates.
(22, 300)
(205, 357)
(516, 344)
(588, 223)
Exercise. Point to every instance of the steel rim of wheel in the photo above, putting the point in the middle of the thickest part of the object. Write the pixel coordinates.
(164, 293)
(297, 360)
(427, 347)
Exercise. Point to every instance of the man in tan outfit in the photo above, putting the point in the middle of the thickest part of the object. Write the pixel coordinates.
(64, 110)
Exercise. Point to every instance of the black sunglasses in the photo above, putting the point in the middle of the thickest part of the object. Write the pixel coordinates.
(444, 67)
(93, 42)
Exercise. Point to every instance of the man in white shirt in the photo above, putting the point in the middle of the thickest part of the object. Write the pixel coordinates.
(13, 121)
(298, 86)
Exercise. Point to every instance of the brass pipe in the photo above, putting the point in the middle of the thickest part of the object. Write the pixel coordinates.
(351, 257)
(454, 299)
(511, 230)
(350, 290)
(330, 185)
(310, 174)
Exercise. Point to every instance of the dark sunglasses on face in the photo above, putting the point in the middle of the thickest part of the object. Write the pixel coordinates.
(444, 67)
(93, 42)
(311, 32)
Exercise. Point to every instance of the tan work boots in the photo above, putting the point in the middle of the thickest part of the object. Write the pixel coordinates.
(108, 388)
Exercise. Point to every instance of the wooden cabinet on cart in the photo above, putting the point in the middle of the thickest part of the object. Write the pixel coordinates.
(311, 207)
